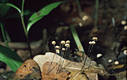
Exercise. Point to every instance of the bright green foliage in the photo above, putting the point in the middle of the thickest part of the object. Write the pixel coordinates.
(7, 55)
(10, 58)
(38, 15)
(41, 13)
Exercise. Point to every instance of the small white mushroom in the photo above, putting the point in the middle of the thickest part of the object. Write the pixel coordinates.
(125, 27)
(57, 51)
(99, 55)
(125, 52)
(84, 18)
(57, 47)
(116, 62)
(63, 49)
(80, 24)
(53, 42)
(67, 45)
(92, 42)
(89, 42)
(123, 22)
(68, 42)
(110, 60)
(62, 42)
(95, 38)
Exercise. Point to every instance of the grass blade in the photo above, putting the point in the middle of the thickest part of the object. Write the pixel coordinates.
(76, 38)
(7, 36)
(41, 13)
(96, 13)
(4, 34)
(3, 31)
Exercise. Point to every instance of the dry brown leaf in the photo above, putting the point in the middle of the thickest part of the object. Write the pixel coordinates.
(28, 70)
(53, 71)
(52, 57)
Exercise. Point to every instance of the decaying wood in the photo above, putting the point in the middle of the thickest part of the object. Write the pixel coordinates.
(22, 45)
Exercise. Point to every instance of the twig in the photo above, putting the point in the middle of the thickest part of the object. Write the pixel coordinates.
(23, 45)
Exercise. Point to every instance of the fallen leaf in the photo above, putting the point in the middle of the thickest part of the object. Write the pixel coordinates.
(27, 71)
(54, 71)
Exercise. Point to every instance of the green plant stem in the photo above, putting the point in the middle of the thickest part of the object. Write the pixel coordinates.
(4, 34)
(22, 19)
(24, 27)
(29, 47)
(23, 24)
(22, 9)
(96, 13)
(79, 6)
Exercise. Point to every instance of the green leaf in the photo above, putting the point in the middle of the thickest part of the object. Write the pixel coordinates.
(41, 13)
(7, 36)
(32, 22)
(10, 58)
(13, 6)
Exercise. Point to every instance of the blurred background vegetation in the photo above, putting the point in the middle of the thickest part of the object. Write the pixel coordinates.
(102, 20)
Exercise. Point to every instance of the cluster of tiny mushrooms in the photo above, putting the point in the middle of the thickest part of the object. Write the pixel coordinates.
(65, 45)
